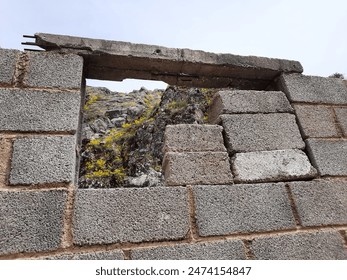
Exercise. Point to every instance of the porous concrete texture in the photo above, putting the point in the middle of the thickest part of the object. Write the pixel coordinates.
(272, 166)
(107, 255)
(43, 159)
(260, 132)
(248, 101)
(103, 216)
(328, 156)
(53, 70)
(300, 246)
(193, 138)
(197, 168)
(228, 209)
(220, 250)
(7, 65)
(341, 115)
(314, 89)
(321, 202)
(34, 110)
(316, 121)
(31, 221)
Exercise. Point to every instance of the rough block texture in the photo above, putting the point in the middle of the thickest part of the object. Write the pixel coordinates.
(7, 65)
(47, 69)
(341, 114)
(105, 216)
(28, 110)
(248, 101)
(230, 209)
(300, 246)
(314, 89)
(197, 168)
(328, 156)
(316, 121)
(41, 160)
(193, 138)
(222, 250)
(259, 132)
(278, 165)
(322, 202)
(108, 255)
(31, 221)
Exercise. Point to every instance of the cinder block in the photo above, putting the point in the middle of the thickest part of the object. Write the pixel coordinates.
(193, 138)
(197, 168)
(107, 255)
(28, 110)
(222, 210)
(52, 70)
(341, 114)
(314, 89)
(261, 132)
(322, 202)
(316, 121)
(7, 65)
(40, 160)
(272, 166)
(328, 156)
(248, 101)
(103, 216)
(221, 250)
(300, 246)
(31, 221)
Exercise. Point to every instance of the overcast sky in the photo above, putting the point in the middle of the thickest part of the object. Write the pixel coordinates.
(312, 32)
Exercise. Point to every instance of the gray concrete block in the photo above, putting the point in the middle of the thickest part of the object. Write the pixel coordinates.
(314, 89)
(222, 210)
(272, 166)
(104, 216)
(31, 221)
(7, 65)
(106, 255)
(260, 132)
(33, 110)
(328, 156)
(322, 202)
(341, 115)
(52, 70)
(248, 101)
(39, 160)
(316, 121)
(300, 246)
(193, 138)
(197, 168)
(220, 250)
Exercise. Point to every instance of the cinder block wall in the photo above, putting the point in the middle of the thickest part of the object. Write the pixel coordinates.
(213, 206)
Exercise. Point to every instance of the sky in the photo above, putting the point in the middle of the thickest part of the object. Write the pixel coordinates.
(312, 32)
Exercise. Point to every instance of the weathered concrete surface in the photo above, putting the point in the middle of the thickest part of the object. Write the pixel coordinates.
(103, 216)
(7, 65)
(316, 121)
(314, 89)
(300, 246)
(39, 160)
(322, 202)
(114, 60)
(107, 255)
(197, 168)
(272, 166)
(341, 115)
(193, 138)
(31, 221)
(220, 250)
(5, 156)
(222, 210)
(328, 156)
(260, 132)
(250, 101)
(34, 110)
(54, 70)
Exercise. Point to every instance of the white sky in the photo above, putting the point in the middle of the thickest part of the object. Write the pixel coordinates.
(312, 32)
